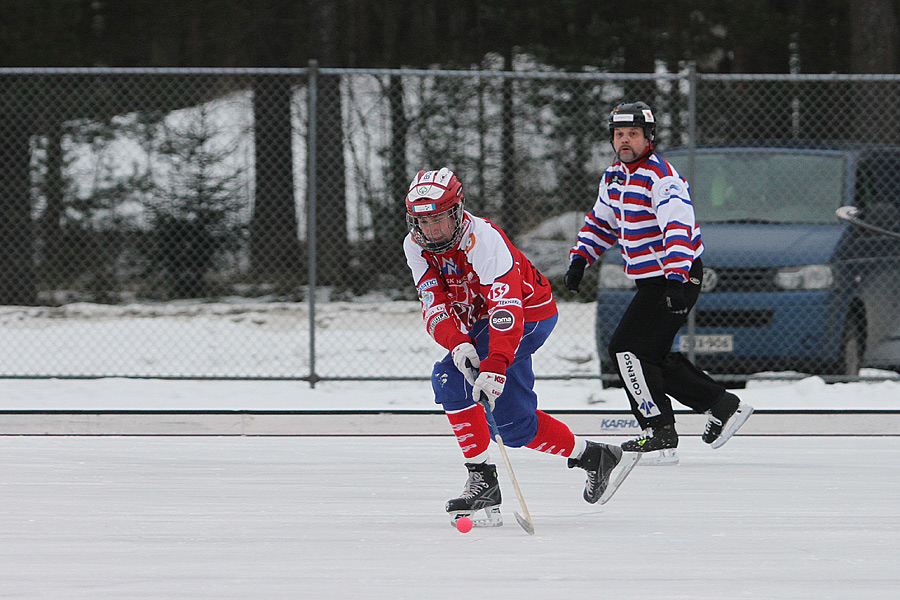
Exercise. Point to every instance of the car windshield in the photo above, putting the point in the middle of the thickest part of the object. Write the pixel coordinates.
(764, 187)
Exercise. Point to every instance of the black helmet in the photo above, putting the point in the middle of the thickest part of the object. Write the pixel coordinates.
(633, 114)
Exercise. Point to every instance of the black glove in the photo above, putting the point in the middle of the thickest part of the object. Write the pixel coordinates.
(674, 298)
(575, 273)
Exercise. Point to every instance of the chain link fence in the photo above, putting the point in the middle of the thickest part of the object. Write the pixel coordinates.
(174, 222)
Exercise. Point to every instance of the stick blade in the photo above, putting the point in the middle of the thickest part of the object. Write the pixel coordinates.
(527, 525)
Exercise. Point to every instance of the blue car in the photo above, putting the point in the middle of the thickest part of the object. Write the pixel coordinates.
(787, 286)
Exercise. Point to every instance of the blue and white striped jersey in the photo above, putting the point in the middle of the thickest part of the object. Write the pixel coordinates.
(646, 207)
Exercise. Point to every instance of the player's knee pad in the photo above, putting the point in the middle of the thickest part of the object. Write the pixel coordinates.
(449, 386)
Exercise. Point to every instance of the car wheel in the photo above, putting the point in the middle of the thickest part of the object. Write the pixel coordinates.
(853, 346)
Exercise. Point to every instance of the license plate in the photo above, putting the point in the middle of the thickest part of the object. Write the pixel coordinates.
(705, 344)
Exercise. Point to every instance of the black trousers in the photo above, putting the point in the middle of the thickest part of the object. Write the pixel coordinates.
(641, 347)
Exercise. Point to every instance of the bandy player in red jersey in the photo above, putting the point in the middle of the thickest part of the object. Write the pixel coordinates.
(485, 302)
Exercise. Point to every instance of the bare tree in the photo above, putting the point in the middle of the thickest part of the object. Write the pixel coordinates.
(874, 36)
(874, 46)
(331, 193)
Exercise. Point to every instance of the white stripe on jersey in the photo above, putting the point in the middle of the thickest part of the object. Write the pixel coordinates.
(649, 213)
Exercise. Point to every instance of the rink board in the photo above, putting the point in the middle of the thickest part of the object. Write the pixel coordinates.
(413, 423)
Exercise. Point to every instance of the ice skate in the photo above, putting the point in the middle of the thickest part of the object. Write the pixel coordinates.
(607, 467)
(727, 415)
(653, 439)
(665, 457)
(482, 492)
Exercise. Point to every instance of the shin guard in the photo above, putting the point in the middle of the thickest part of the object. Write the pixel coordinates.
(553, 436)
(471, 430)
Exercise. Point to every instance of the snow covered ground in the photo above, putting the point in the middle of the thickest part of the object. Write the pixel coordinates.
(241, 339)
(154, 394)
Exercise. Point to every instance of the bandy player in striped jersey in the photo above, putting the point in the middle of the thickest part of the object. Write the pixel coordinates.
(485, 302)
(645, 206)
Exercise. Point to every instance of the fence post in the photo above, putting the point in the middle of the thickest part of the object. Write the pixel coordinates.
(311, 98)
(692, 155)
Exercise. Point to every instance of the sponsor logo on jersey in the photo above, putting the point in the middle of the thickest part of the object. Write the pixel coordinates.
(672, 188)
(510, 302)
(502, 320)
(470, 242)
(427, 299)
(428, 283)
(498, 290)
(448, 267)
(435, 310)
(437, 319)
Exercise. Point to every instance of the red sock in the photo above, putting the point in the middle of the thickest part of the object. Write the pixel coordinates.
(471, 429)
(553, 436)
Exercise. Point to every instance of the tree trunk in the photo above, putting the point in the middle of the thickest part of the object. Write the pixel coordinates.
(274, 243)
(874, 36)
(511, 213)
(398, 182)
(51, 232)
(17, 274)
(874, 47)
(331, 192)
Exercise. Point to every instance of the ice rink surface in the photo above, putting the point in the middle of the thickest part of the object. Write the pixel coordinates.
(363, 517)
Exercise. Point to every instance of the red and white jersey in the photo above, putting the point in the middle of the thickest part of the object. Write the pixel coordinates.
(485, 276)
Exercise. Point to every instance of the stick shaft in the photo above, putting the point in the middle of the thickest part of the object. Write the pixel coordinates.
(512, 476)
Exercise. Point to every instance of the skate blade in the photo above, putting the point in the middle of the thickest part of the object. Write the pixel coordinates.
(525, 524)
(667, 457)
(739, 417)
(491, 518)
(626, 464)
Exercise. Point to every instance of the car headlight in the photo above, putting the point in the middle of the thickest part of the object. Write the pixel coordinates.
(612, 277)
(808, 277)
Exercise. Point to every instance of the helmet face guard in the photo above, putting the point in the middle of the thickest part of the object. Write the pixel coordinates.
(434, 210)
(633, 114)
(447, 240)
